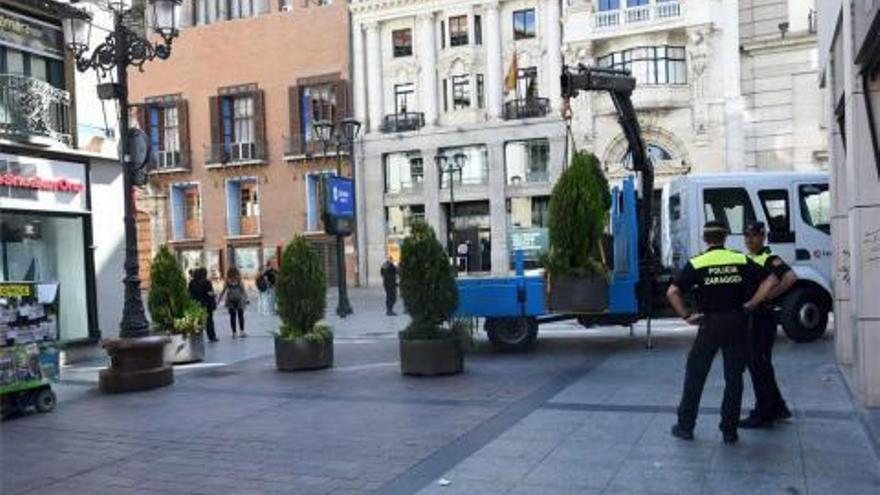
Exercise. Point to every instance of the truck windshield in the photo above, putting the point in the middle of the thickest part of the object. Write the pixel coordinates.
(816, 206)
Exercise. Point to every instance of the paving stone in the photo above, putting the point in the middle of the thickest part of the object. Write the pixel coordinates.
(645, 477)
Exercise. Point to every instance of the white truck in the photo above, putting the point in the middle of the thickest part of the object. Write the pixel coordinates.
(796, 209)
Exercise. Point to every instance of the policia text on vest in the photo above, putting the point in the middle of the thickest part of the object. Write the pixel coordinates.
(723, 282)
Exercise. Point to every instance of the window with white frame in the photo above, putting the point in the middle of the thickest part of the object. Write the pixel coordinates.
(523, 24)
(164, 133)
(404, 172)
(242, 206)
(526, 161)
(186, 211)
(404, 95)
(650, 64)
(461, 91)
(458, 30)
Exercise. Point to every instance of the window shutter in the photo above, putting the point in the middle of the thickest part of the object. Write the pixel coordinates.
(233, 208)
(295, 121)
(183, 132)
(216, 136)
(260, 123)
(342, 99)
(178, 219)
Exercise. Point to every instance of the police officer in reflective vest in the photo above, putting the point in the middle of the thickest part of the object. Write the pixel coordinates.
(769, 404)
(723, 282)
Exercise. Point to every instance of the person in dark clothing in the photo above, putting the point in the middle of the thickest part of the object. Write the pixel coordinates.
(723, 281)
(202, 291)
(236, 300)
(389, 282)
(769, 404)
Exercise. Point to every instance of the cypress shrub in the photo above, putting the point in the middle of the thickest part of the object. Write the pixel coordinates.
(579, 205)
(168, 298)
(301, 290)
(427, 284)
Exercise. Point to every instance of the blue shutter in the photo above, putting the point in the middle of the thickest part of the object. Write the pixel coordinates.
(155, 131)
(178, 219)
(311, 224)
(228, 133)
(233, 208)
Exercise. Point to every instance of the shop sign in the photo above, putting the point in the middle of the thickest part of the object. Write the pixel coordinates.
(338, 205)
(31, 34)
(532, 242)
(31, 183)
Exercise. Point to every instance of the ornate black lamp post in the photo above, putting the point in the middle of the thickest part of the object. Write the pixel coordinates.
(445, 166)
(345, 133)
(124, 48)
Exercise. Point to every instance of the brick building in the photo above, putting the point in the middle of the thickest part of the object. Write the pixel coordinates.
(229, 115)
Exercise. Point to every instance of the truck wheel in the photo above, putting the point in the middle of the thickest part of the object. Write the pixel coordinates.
(512, 334)
(45, 400)
(804, 315)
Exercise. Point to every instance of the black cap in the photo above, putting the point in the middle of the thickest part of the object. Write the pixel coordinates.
(755, 228)
(715, 227)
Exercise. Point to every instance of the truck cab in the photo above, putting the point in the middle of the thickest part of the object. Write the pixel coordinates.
(795, 207)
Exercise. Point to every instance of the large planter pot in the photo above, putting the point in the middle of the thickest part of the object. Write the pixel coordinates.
(303, 354)
(185, 349)
(431, 357)
(577, 294)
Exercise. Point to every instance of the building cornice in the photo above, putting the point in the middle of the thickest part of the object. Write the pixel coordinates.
(384, 8)
(777, 43)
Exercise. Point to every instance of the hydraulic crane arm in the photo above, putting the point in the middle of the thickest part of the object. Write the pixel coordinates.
(620, 84)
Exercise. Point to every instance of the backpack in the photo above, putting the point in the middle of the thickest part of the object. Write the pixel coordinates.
(235, 295)
(262, 283)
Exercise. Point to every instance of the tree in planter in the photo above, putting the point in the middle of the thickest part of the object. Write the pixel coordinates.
(301, 291)
(579, 205)
(427, 284)
(168, 299)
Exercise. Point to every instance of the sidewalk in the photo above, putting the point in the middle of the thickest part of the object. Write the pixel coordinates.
(588, 411)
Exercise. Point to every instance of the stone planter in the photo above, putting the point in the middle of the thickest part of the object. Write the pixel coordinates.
(577, 294)
(431, 357)
(185, 349)
(302, 354)
(135, 364)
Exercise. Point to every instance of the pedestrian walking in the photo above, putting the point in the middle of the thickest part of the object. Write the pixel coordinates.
(202, 291)
(769, 404)
(723, 281)
(389, 282)
(266, 286)
(236, 300)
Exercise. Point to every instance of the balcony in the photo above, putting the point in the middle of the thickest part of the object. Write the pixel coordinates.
(300, 148)
(403, 122)
(236, 154)
(526, 108)
(31, 108)
(610, 19)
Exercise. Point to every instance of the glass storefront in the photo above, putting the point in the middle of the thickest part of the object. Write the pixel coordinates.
(48, 247)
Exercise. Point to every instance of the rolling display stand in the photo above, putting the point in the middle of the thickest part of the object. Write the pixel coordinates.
(29, 356)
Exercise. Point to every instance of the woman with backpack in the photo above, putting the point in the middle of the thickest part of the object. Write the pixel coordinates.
(236, 300)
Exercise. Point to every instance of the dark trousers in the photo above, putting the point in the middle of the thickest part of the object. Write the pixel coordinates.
(233, 313)
(390, 298)
(725, 331)
(209, 325)
(768, 398)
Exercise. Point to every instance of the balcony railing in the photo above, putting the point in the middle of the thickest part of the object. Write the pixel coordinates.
(403, 122)
(32, 108)
(526, 108)
(236, 153)
(633, 15)
(298, 148)
(170, 161)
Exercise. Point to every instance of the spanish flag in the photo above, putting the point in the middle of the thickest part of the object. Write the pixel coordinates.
(512, 75)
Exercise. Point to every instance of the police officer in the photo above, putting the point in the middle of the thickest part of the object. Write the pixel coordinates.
(722, 280)
(769, 404)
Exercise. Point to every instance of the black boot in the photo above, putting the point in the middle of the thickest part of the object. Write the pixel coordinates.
(681, 432)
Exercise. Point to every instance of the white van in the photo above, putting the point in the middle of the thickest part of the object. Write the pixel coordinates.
(795, 207)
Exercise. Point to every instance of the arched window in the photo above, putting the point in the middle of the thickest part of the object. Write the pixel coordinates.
(655, 152)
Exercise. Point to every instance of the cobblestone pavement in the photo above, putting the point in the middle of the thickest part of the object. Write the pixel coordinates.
(587, 412)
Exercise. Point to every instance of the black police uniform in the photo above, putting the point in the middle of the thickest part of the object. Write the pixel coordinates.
(769, 403)
(723, 281)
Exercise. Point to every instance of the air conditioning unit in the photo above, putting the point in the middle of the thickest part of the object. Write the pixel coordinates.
(243, 151)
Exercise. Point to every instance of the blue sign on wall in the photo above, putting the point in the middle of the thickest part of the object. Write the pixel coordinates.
(340, 200)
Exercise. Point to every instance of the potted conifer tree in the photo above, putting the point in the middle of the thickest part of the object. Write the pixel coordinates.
(579, 204)
(431, 344)
(173, 312)
(302, 343)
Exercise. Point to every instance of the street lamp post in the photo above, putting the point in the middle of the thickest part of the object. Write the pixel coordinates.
(124, 48)
(459, 160)
(345, 135)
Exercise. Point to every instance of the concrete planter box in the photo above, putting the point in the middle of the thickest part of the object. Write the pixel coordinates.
(577, 294)
(185, 349)
(431, 357)
(302, 354)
